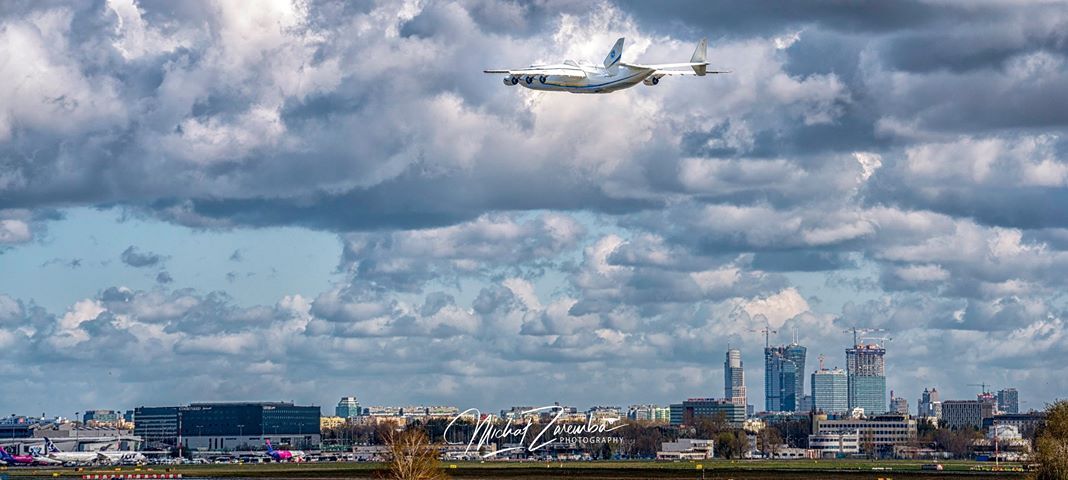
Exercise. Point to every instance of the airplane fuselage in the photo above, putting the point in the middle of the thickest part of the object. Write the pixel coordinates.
(596, 80)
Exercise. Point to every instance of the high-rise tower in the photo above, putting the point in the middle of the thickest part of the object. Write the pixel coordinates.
(784, 384)
(867, 377)
(734, 378)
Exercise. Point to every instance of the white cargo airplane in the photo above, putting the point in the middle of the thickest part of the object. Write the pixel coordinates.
(586, 77)
(115, 458)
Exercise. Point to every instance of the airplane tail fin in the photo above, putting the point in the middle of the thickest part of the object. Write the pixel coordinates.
(699, 58)
(269, 447)
(611, 62)
(49, 446)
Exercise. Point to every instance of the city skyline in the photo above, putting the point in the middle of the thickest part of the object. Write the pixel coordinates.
(217, 200)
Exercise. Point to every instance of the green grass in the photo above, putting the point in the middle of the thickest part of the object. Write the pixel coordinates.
(506, 469)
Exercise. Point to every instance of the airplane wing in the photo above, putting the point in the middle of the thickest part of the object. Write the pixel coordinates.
(661, 73)
(557, 72)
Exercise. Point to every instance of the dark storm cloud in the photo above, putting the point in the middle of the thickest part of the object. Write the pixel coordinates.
(138, 258)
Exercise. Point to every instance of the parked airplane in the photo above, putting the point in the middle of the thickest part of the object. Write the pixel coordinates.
(10, 459)
(40, 459)
(102, 456)
(586, 77)
(117, 457)
(284, 455)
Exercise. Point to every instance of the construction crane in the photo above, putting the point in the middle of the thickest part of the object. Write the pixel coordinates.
(981, 385)
(767, 331)
(860, 333)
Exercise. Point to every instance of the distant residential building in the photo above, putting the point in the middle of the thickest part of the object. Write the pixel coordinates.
(784, 379)
(649, 413)
(831, 444)
(866, 367)
(1008, 401)
(734, 377)
(332, 422)
(377, 411)
(881, 432)
(898, 404)
(830, 391)
(687, 412)
(599, 415)
(929, 406)
(348, 407)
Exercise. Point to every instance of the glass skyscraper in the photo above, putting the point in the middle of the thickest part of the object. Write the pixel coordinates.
(830, 391)
(348, 407)
(734, 378)
(784, 382)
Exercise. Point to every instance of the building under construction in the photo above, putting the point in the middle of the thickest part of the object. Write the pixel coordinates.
(866, 367)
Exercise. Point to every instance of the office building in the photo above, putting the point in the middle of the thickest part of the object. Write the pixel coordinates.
(880, 433)
(101, 416)
(347, 407)
(866, 368)
(968, 413)
(687, 412)
(830, 391)
(835, 444)
(1008, 401)
(929, 406)
(898, 404)
(686, 449)
(734, 377)
(158, 426)
(229, 426)
(784, 379)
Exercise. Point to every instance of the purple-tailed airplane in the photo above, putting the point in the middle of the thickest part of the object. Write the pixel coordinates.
(16, 459)
(284, 455)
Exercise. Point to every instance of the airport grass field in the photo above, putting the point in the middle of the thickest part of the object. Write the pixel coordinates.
(762, 469)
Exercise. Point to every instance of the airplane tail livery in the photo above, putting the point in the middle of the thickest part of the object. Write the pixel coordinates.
(611, 62)
(700, 65)
(49, 446)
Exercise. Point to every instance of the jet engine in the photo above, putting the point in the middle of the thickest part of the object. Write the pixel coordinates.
(511, 81)
(652, 81)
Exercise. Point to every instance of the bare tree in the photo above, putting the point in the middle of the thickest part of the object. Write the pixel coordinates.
(1053, 443)
(411, 456)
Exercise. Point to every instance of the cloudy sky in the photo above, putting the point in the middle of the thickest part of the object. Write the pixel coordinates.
(218, 200)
